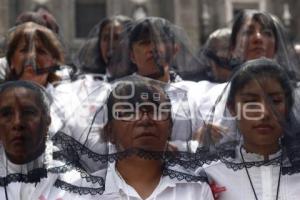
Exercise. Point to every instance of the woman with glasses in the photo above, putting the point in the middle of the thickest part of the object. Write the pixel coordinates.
(140, 128)
(135, 153)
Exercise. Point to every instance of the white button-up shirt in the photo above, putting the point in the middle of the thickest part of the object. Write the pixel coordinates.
(167, 189)
(264, 179)
(46, 188)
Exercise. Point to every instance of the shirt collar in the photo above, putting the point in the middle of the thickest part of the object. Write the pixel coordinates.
(116, 184)
(253, 157)
(13, 168)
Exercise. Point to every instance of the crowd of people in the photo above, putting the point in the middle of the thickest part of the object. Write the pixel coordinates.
(122, 120)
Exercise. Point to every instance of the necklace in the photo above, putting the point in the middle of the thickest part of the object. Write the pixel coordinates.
(5, 181)
(252, 186)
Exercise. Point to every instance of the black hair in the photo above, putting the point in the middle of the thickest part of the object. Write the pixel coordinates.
(42, 97)
(151, 27)
(137, 92)
(263, 18)
(262, 67)
(123, 20)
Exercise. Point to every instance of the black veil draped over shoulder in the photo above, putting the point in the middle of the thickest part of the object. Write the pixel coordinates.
(96, 142)
(46, 172)
(241, 109)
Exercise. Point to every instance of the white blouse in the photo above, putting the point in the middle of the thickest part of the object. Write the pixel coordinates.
(45, 189)
(186, 114)
(167, 189)
(264, 178)
(206, 93)
(75, 103)
(25, 191)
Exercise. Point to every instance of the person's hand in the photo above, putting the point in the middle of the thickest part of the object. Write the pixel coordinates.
(215, 131)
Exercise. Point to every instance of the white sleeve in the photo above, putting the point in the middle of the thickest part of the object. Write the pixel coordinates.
(206, 193)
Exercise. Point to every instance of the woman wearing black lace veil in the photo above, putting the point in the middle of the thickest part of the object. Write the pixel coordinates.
(31, 166)
(135, 152)
(97, 51)
(35, 53)
(255, 34)
(258, 34)
(76, 102)
(91, 85)
(258, 159)
(157, 39)
(157, 49)
(41, 18)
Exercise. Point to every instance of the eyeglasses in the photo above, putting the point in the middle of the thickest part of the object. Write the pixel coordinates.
(160, 115)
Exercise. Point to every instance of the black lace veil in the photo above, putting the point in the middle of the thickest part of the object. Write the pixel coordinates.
(157, 42)
(102, 42)
(30, 161)
(257, 106)
(245, 45)
(135, 120)
(32, 49)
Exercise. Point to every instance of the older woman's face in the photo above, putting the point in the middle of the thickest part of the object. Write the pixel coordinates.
(23, 125)
(146, 126)
(254, 41)
(28, 56)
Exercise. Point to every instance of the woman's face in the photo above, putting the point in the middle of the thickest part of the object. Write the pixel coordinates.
(149, 56)
(145, 126)
(27, 57)
(254, 41)
(109, 40)
(23, 125)
(260, 107)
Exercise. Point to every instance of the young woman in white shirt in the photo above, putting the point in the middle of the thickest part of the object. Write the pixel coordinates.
(256, 162)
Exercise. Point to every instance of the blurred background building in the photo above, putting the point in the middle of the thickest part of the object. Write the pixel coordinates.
(198, 17)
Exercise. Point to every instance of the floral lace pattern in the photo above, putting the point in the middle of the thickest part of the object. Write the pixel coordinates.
(171, 159)
(184, 176)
